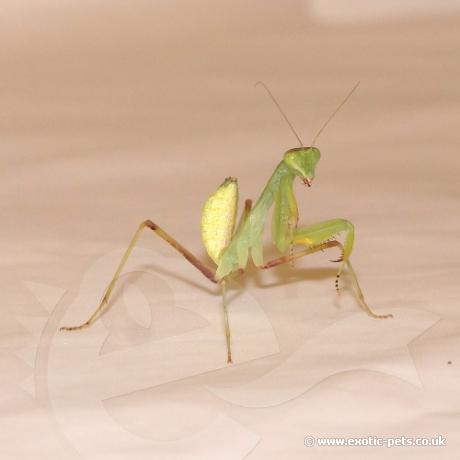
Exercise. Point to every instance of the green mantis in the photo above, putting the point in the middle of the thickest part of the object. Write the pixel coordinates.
(232, 246)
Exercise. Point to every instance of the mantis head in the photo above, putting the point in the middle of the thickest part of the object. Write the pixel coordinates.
(302, 161)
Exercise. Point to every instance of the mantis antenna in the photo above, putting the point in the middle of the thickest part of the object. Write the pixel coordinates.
(281, 110)
(334, 113)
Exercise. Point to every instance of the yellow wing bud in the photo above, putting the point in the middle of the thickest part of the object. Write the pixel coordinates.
(218, 218)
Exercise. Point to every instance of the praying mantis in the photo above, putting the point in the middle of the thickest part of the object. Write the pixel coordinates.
(231, 246)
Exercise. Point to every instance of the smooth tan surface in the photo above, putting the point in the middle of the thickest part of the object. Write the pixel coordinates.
(114, 112)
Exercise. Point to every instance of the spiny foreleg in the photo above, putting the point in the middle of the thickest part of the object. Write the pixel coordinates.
(326, 232)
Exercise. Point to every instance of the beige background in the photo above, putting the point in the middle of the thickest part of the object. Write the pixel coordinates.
(113, 112)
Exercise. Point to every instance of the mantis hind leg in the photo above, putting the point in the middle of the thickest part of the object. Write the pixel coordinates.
(162, 234)
(318, 235)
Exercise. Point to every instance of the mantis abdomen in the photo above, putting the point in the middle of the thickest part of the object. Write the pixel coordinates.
(218, 218)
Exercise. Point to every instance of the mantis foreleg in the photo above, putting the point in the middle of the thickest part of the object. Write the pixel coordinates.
(297, 255)
(245, 213)
(320, 236)
(162, 234)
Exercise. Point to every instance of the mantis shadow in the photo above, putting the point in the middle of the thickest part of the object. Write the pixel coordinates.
(285, 275)
(252, 276)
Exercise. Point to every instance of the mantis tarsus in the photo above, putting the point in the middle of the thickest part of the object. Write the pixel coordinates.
(231, 248)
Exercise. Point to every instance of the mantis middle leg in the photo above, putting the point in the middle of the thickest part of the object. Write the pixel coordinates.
(162, 234)
(223, 284)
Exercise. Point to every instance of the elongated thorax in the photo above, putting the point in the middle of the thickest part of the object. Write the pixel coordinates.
(218, 218)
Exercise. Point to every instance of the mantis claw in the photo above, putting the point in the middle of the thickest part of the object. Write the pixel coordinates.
(340, 259)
